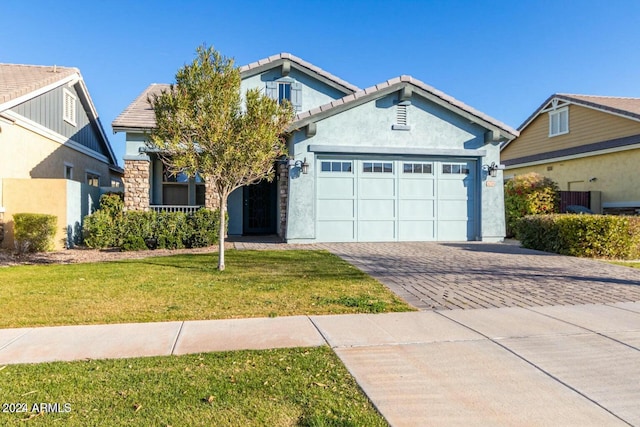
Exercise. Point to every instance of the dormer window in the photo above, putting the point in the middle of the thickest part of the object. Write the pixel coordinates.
(288, 89)
(559, 121)
(69, 107)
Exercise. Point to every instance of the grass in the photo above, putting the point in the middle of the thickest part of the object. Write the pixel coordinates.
(187, 287)
(303, 387)
(632, 264)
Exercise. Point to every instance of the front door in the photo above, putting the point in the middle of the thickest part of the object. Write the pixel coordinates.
(259, 208)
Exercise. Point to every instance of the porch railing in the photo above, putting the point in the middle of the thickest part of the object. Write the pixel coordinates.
(175, 208)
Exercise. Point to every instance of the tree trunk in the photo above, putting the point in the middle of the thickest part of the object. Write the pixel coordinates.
(223, 211)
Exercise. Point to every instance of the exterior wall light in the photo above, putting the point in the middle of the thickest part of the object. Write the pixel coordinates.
(303, 165)
(493, 169)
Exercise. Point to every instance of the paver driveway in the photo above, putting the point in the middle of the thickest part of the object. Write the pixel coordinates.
(481, 275)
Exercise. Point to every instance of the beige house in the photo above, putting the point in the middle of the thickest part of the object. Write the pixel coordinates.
(55, 157)
(585, 144)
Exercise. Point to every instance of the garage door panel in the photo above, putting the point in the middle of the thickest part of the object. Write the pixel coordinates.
(458, 209)
(416, 231)
(336, 187)
(337, 209)
(376, 231)
(453, 188)
(417, 188)
(337, 231)
(377, 187)
(377, 209)
(416, 209)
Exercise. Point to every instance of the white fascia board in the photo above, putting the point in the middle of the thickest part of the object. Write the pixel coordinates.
(54, 136)
(73, 78)
(575, 156)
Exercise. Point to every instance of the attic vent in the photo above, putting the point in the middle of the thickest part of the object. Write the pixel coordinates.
(402, 110)
(69, 108)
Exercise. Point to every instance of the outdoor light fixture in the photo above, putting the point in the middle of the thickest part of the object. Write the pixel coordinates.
(303, 165)
(492, 169)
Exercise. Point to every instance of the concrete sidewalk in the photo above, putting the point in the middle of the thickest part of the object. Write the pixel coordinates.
(577, 365)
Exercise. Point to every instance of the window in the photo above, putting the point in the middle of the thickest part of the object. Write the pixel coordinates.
(455, 169)
(286, 88)
(417, 168)
(335, 166)
(68, 171)
(377, 167)
(69, 107)
(559, 122)
(93, 179)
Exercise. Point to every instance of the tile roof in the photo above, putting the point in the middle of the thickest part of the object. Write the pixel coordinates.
(624, 106)
(17, 80)
(267, 62)
(392, 85)
(139, 114)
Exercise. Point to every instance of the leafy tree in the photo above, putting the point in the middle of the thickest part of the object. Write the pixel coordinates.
(529, 194)
(205, 126)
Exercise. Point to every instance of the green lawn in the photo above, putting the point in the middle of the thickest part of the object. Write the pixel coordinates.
(632, 264)
(305, 387)
(185, 287)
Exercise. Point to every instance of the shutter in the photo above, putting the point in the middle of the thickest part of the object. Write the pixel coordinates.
(296, 96)
(272, 90)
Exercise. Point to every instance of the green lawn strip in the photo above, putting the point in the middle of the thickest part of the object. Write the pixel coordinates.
(187, 287)
(632, 264)
(286, 387)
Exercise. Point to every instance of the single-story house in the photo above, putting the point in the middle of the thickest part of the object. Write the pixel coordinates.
(585, 143)
(55, 157)
(397, 161)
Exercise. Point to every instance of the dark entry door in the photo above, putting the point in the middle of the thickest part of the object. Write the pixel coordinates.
(259, 208)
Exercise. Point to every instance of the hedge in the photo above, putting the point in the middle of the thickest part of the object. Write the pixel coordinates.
(594, 236)
(34, 232)
(111, 226)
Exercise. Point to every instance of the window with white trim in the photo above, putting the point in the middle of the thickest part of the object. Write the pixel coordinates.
(455, 169)
(93, 179)
(336, 166)
(69, 107)
(377, 167)
(68, 171)
(418, 168)
(559, 121)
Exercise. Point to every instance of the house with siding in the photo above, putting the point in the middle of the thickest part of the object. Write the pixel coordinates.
(588, 144)
(397, 161)
(55, 157)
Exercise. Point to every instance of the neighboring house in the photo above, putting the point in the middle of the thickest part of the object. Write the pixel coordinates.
(398, 161)
(586, 144)
(54, 154)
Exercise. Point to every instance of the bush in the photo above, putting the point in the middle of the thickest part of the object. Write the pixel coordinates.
(529, 194)
(595, 236)
(110, 226)
(105, 227)
(34, 232)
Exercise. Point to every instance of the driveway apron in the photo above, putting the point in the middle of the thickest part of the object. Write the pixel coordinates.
(441, 276)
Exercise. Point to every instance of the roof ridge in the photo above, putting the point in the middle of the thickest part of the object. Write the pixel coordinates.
(596, 96)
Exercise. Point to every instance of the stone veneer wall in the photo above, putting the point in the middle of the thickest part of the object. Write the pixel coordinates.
(283, 190)
(136, 185)
(211, 199)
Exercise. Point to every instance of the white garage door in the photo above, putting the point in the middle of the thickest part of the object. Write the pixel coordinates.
(395, 200)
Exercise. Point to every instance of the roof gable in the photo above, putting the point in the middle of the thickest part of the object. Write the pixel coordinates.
(407, 85)
(20, 83)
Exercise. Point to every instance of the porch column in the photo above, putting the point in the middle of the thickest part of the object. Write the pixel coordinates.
(211, 201)
(136, 184)
(283, 196)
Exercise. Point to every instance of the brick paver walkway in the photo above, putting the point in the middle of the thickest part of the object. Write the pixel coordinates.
(481, 275)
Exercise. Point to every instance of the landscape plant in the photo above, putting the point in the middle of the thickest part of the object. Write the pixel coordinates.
(529, 194)
(34, 232)
(205, 126)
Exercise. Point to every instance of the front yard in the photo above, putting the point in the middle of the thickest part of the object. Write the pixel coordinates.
(188, 287)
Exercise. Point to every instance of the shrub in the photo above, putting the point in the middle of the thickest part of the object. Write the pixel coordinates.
(204, 227)
(34, 232)
(171, 230)
(596, 236)
(105, 227)
(529, 194)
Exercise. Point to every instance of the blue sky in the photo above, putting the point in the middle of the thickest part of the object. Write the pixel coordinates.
(502, 57)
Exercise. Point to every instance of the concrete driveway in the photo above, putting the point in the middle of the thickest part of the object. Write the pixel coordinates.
(438, 276)
(507, 336)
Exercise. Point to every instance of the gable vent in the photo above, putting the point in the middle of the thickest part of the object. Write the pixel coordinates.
(402, 111)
